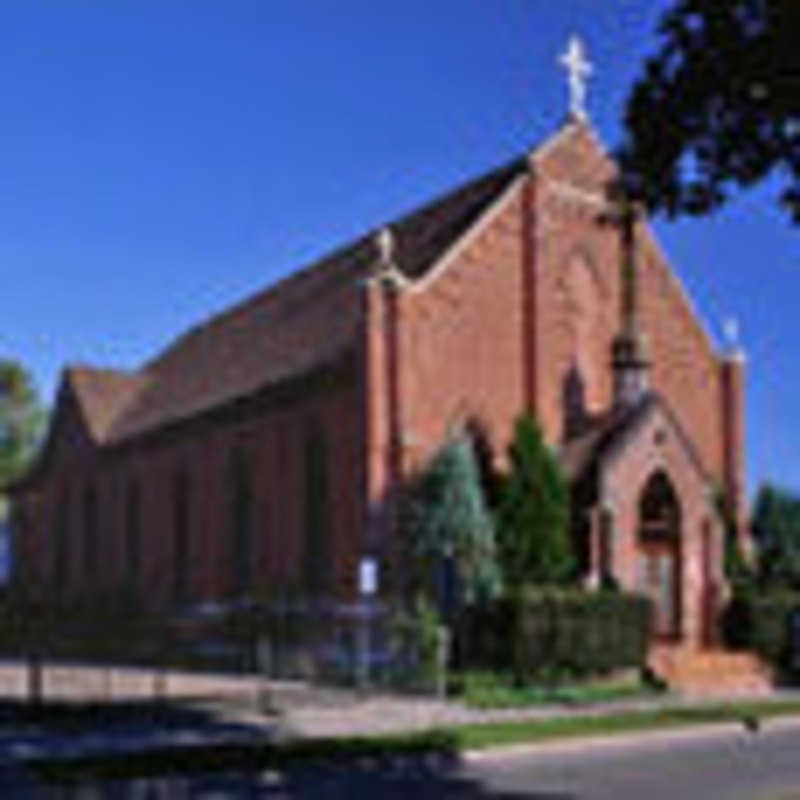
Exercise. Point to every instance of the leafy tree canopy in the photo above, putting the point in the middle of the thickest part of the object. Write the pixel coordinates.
(452, 520)
(717, 106)
(21, 421)
(534, 512)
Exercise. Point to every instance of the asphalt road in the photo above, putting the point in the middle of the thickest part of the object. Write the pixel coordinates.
(733, 765)
(704, 765)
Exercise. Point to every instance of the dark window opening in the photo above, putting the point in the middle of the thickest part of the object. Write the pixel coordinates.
(180, 551)
(242, 515)
(132, 541)
(90, 543)
(318, 554)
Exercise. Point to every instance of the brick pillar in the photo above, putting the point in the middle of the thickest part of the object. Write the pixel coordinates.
(530, 340)
(380, 410)
(732, 379)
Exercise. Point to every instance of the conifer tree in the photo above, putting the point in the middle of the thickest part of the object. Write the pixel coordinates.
(533, 531)
(21, 421)
(452, 522)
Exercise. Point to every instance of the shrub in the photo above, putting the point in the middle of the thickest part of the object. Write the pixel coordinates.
(414, 643)
(549, 634)
(763, 623)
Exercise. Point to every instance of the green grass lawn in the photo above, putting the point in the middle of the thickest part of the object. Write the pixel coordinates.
(480, 736)
(489, 690)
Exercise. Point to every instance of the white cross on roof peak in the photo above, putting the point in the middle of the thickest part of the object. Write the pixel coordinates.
(579, 69)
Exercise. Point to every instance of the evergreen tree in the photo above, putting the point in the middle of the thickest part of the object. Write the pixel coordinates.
(533, 533)
(453, 525)
(21, 421)
(21, 427)
(776, 528)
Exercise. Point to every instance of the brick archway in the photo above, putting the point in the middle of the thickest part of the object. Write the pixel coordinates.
(659, 553)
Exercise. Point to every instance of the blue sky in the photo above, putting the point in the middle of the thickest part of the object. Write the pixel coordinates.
(161, 160)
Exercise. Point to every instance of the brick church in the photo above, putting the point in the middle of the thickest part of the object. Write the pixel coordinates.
(265, 446)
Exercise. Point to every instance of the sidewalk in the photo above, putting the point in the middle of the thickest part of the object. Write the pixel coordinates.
(385, 714)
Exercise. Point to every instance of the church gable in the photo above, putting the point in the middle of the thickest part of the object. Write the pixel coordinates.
(575, 160)
(69, 438)
(578, 298)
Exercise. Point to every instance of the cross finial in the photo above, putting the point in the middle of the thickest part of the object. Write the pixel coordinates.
(579, 69)
(385, 241)
(730, 329)
(731, 334)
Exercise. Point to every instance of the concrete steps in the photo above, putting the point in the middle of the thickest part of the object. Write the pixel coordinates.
(706, 673)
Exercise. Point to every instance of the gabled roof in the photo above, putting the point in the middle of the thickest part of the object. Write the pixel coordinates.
(301, 323)
(102, 395)
(581, 454)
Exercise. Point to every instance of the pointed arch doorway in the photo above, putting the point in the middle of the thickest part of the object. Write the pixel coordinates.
(659, 554)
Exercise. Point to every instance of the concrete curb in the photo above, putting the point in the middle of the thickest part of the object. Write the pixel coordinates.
(641, 739)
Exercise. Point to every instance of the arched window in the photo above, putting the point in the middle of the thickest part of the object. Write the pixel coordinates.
(584, 309)
(659, 510)
(606, 545)
(242, 518)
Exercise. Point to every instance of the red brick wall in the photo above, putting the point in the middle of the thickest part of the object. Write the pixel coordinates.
(622, 483)
(276, 441)
(455, 347)
(577, 274)
(577, 257)
(460, 346)
(685, 366)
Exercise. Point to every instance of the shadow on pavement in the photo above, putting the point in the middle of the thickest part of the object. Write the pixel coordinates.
(401, 783)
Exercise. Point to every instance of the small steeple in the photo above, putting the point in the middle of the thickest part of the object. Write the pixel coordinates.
(630, 353)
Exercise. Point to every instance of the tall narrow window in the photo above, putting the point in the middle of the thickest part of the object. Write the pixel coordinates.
(242, 518)
(133, 564)
(317, 549)
(61, 548)
(180, 549)
(90, 543)
(606, 545)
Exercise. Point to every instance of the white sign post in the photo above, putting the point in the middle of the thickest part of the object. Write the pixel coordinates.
(367, 588)
(368, 576)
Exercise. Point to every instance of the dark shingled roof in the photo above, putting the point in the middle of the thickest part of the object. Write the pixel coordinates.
(579, 455)
(301, 323)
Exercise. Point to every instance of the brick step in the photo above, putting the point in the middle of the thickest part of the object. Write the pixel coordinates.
(711, 672)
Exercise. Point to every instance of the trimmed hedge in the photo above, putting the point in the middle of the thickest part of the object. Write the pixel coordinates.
(552, 632)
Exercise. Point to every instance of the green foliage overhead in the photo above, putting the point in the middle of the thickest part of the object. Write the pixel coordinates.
(716, 106)
(21, 421)
(452, 521)
(533, 533)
